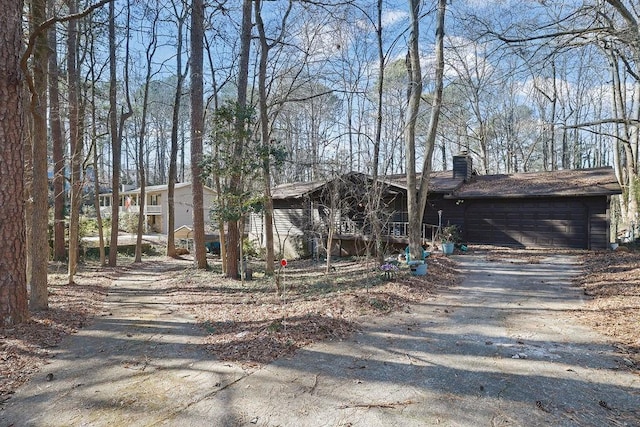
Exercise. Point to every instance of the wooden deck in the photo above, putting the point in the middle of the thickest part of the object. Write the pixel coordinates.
(392, 232)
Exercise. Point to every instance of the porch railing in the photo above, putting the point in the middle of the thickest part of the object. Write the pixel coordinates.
(398, 229)
(148, 209)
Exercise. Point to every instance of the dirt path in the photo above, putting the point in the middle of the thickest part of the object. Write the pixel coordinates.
(140, 363)
(503, 348)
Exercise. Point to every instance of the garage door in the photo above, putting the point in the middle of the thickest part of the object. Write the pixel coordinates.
(528, 223)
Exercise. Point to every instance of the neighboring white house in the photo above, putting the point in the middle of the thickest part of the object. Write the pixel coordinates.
(156, 207)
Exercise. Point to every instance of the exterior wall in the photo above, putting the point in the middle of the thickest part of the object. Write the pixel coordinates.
(562, 222)
(157, 206)
(553, 222)
(599, 223)
(543, 222)
(291, 231)
(183, 206)
(154, 223)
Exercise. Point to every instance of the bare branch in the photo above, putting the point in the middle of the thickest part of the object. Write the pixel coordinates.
(634, 122)
(40, 29)
(306, 98)
(626, 14)
(549, 35)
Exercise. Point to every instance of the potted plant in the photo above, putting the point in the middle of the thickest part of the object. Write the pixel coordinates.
(450, 235)
(389, 269)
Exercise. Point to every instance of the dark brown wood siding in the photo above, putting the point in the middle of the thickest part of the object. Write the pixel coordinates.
(527, 223)
(580, 222)
(599, 223)
(568, 222)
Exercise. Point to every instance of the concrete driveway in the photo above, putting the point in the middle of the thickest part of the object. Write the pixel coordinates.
(501, 349)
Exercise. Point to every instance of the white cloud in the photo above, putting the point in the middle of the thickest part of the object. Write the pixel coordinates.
(393, 17)
(484, 4)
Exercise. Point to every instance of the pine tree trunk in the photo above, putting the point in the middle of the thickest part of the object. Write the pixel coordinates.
(116, 146)
(39, 243)
(13, 289)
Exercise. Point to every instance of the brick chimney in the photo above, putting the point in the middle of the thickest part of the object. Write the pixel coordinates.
(462, 166)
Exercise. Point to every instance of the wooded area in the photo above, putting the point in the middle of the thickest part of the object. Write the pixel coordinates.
(244, 95)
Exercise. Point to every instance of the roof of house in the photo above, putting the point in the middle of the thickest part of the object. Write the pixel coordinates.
(570, 182)
(157, 189)
(439, 182)
(295, 190)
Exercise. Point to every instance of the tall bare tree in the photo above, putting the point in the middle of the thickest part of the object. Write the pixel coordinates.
(234, 239)
(13, 290)
(175, 124)
(57, 142)
(36, 76)
(417, 201)
(265, 126)
(612, 26)
(75, 140)
(150, 51)
(624, 45)
(116, 141)
(197, 129)
(375, 200)
(116, 126)
(95, 146)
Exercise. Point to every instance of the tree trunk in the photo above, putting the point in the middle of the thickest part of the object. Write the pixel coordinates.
(150, 51)
(59, 244)
(96, 187)
(436, 106)
(376, 197)
(39, 247)
(173, 157)
(414, 94)
(417, 201)
(97, 166)
(116, 126)
(197, 129)
(75, 143)
(265, 141)
(223, 235)
(330, 233)
(116, 146)
(13, 290)
(234, 239)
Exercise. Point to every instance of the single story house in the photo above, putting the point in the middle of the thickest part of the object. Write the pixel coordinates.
(561, 209)
(156, 206)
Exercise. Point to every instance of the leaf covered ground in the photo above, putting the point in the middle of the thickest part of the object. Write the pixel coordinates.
(250, 324)
(612, 288)
(26, 347)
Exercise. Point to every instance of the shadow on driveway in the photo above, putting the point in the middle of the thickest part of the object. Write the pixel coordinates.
(502, 348)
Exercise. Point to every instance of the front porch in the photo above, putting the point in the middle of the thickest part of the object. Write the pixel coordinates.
(353, 237)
